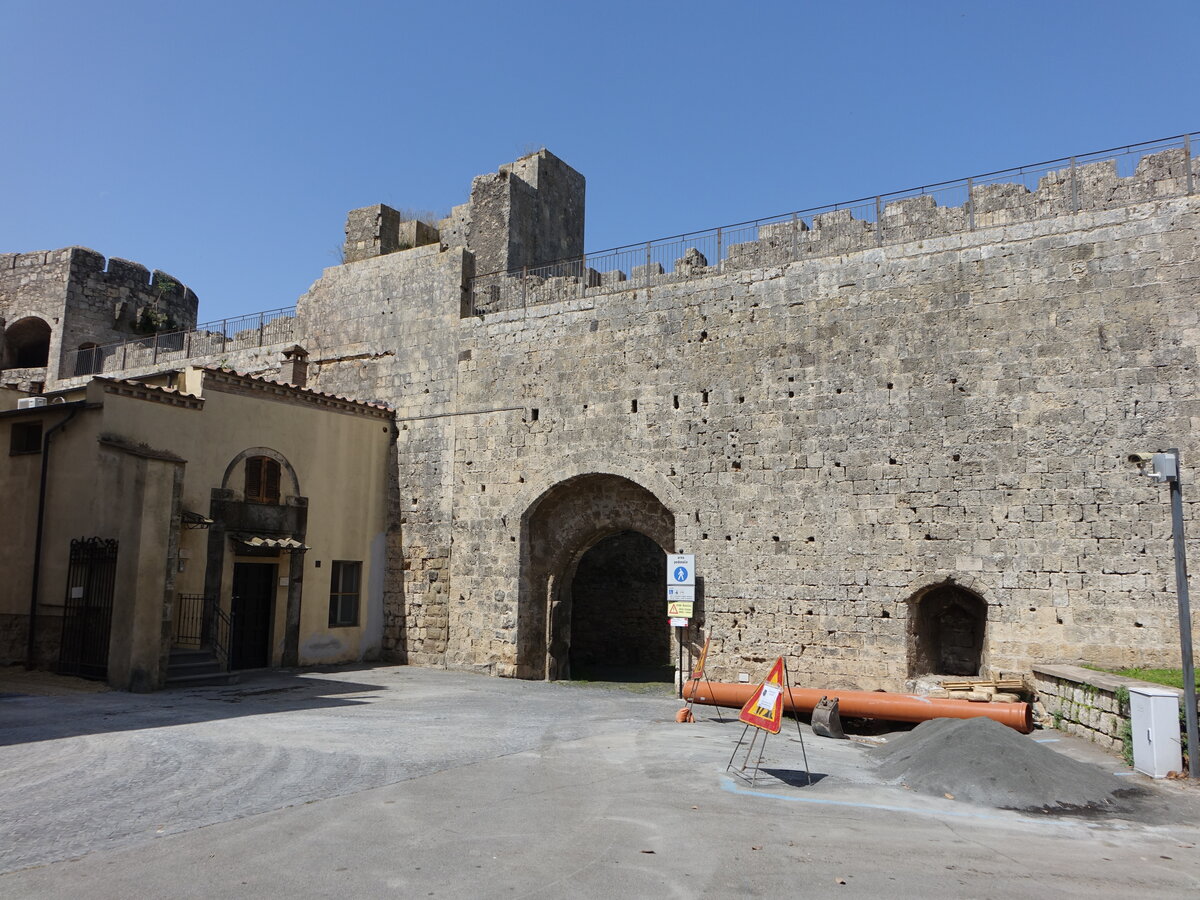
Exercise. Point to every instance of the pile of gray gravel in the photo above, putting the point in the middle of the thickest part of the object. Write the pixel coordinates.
(981, 761)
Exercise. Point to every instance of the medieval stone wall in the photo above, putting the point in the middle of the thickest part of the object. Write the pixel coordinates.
(832, 435)
(843, 432)
(89, 300)
(387, 327)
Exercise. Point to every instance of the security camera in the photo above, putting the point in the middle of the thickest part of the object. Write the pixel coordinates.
(1161, 466)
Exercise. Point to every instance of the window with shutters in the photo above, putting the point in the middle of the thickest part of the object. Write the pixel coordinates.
(262, 480)
(26, 437)
(343, 593)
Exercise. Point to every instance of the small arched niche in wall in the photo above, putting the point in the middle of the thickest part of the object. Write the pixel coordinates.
(946, 629)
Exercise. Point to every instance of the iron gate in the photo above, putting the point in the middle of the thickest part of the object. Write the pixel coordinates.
(87, 614)
(191, 621)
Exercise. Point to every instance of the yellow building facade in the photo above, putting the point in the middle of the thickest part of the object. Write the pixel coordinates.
(163, 530)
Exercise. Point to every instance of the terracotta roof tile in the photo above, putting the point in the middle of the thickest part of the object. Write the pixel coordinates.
(370, 404)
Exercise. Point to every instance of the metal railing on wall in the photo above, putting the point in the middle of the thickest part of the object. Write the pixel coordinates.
(1027, 193)
(246, 332)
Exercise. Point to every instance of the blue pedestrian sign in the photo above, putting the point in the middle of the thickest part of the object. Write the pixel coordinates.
(681, 569)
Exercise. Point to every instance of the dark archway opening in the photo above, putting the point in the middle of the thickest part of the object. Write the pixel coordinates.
(630, 531)
(27, 344)
(619, 630)
(946, 632)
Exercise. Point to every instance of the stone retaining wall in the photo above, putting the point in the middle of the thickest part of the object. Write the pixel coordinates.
(1084, 702)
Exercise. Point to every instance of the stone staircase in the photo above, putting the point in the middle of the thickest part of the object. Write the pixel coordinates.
(196, 668)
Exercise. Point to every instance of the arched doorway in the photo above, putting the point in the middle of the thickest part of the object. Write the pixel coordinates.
(618, 624)
(26, 344)
(590, 546)
(946, 626)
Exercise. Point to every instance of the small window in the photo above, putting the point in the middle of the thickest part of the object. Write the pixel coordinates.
(262, 480)
(26, 438)
(343, 593)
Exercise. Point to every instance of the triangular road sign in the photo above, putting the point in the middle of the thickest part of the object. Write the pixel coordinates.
(765, 708)
(698, 672)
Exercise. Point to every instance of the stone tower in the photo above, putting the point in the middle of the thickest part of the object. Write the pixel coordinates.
(529, 213)
(54, 303)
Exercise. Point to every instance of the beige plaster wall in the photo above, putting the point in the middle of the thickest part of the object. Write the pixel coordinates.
(138, 504)
(340, 465)
(71, 512)
(125, 468)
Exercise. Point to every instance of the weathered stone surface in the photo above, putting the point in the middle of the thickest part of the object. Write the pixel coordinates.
(84, 300)
(838, 417)
(832, 435)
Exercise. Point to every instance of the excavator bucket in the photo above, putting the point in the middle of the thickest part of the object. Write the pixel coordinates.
(826, 722)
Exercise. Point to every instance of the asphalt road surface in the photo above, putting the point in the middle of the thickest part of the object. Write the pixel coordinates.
(405, 782)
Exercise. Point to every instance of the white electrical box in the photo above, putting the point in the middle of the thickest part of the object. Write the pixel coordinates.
(1154, 722)
(31, 402)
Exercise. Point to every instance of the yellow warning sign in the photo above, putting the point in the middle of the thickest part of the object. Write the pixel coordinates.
(681, 609)
(764, 709)
(698, 672)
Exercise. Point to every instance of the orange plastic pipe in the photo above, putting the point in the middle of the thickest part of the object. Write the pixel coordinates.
(867, 704)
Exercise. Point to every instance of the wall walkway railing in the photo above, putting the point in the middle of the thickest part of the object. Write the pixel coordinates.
(246, 332)
(1102, 180)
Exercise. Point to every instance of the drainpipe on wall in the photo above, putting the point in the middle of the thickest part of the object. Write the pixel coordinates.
(30, 662)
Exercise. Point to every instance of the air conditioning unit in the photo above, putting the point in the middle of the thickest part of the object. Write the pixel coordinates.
(31, 402)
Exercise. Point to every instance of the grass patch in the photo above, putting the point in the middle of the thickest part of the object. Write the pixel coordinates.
(1169, 677)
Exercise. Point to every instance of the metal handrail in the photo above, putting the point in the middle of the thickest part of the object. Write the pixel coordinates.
(270, 326)
(629, 265)
(220, 628)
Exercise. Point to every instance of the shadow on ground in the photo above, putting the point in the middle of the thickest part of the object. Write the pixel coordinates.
(795, 777)
(26, 718)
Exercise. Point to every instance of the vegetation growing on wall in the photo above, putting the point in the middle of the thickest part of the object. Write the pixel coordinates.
(151, 319)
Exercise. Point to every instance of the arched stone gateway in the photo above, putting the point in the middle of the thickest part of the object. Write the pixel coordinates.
(946, 626)
(593, 545)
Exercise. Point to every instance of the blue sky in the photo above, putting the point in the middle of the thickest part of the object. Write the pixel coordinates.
(223, 142)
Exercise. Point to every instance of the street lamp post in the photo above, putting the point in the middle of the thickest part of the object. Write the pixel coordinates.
(1165, 467)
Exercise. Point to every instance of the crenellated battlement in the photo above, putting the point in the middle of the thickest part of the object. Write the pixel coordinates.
(527, 213)
(117, 274)
(1002, 199)
(83, 299)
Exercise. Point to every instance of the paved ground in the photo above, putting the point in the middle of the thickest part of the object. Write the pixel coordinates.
(415, 782)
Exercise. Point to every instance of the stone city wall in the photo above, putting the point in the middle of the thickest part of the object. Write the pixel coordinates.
(387, 328)
(88, 299)
(832, 435)
(841, 433)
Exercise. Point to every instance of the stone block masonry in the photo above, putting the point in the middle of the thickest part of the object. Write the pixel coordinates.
(1087, 703)
(529, 213)
(87, 300)
(833, 435)
(892, 444)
